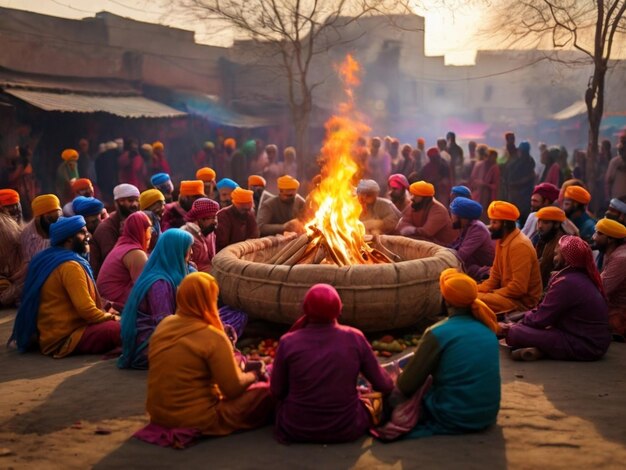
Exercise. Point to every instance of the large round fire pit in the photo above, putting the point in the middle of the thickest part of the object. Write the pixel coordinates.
(375, 297)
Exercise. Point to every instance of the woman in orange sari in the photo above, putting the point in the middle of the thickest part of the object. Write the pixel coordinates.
(195, 388)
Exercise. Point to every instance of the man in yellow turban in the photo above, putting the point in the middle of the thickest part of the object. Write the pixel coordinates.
(610, 240)
(284, 212)
(426, 218)
(174, 214)
(514, 281)
(549, 232)
(66, 172)
(236, 222)
(575, 201)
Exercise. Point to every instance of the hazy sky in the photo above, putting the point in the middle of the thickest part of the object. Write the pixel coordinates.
(447, 32)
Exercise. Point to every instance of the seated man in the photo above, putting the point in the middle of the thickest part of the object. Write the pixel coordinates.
(571, 323)
(474, 245)
(225, 187)
(514, 281)
(257, 185)
(610, 240)
(378, 215)
(399, 191)
(236, 223)
(11, 268)
(60, 307)
(549, 232)
(282, 213)
(174, 213)
(10, 205)
(576, 199)
(207, 176)
(35, 234)
(543, 195)
(460, 191)
(163, 183)
(426, 218)
(91, 209)
(201, 223)
(617, 210)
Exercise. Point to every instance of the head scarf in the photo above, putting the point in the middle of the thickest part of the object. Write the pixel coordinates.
(87, 206)
(466, 208)
(577, 254)
(167, 262)
(256, 180)
(321, 304)
(551, 213)
(124, 190)
(460, 290)
(149, 197)
(206, 174)
(69, 155)
(158, 145)
(230, 143)
(462, 191)
(398, 180)
(191, 188)
(159, 179)
(502, 210)
(134, 233)
(578, 194)
(64, 228)
(422, 188)
(432, 152)
(421, 141)
(288, 182)
(618, 205)
(611, 228)
(547, 191)
(197, 298)
(367, 186)
(9, 197)
(81, 184)
(45, 203)
(226, 183)
(242, 196)
(202, 208)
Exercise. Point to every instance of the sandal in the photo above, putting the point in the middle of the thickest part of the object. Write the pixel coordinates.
(526, 354)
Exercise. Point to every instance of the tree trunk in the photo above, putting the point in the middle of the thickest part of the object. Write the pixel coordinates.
(594, 99)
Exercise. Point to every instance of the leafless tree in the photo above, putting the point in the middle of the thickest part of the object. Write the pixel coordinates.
(294, 32)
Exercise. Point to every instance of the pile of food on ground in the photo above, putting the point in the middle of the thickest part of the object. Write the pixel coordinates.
(387, 346)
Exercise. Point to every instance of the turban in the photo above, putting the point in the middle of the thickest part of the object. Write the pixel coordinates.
(577, 254)
(69, 154)
(158, 145)
(125, 190)
(288, 182)
(462, 191)
(321, 304)
(191, 188)
(226, 183)
(208, 145)
(398, 180)
(611, 228)
(87, 206)
(422, 188)
(502, 210)
(206, 174)
(578, 194)
(367, 186)
(146, 148)
(230, 143)
(466, 208)
(159, 179)
(256, 180)
(547, 191)
(421, 141)
(9, 197)
(149, 197)
(618, 205)
(81, 184)
(551, 213)
(432, 152)
(524, 147)
(460, 290)
(64, 228)
(202, 208)
(44, 204)
(242, 196)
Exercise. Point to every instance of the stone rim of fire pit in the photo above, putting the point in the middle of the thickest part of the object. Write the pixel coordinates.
(375, 297)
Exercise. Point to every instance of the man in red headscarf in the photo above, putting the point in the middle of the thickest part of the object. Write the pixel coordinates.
(201, 224)
(571, 323)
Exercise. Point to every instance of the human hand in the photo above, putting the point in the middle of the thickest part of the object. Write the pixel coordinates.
(408, 230)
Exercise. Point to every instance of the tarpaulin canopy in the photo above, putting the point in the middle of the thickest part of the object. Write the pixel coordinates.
(576, 109)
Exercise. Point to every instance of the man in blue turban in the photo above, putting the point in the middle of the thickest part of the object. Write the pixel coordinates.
(225, 187)
(61, 311)
(474, 246)
(460, 191)
(91, 209)
(163, 183)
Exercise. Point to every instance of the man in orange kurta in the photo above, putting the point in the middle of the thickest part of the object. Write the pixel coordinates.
(514, 281)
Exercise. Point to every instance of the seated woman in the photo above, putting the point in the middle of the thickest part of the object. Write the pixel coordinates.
(572, 321)
(315, 373)
(123, 265)
(461, 354)
(153, 296)
(194, 385)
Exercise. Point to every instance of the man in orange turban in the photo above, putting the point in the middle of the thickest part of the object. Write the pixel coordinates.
(10, 204)
(11, 268)
(426, 218)
(207, 176)
(282, 213)
(257, 184)
(80, 187)
(575, 201)
(174, 213)
(514, 281)
(67, 171)
(548, 233)
(236, 222)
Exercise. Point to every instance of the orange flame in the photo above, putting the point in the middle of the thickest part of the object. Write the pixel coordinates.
(337, 208)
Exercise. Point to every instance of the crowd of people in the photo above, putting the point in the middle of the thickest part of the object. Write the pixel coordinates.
(129, 272)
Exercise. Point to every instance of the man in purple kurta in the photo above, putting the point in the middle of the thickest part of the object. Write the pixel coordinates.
(315, 373)
(571, 323)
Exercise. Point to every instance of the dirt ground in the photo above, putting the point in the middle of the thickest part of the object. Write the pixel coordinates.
(80, 412)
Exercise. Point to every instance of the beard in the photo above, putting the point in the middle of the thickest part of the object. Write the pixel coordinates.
(80, 247)
(416, 206)
(547, 236)
(497, 234)
(45, 225)
(125, 211)
(456, 225)
(395, 197)
(185, 203)
(208, 229)
(596, 246)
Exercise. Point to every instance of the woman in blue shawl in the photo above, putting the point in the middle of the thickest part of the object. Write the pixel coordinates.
(153, 296)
